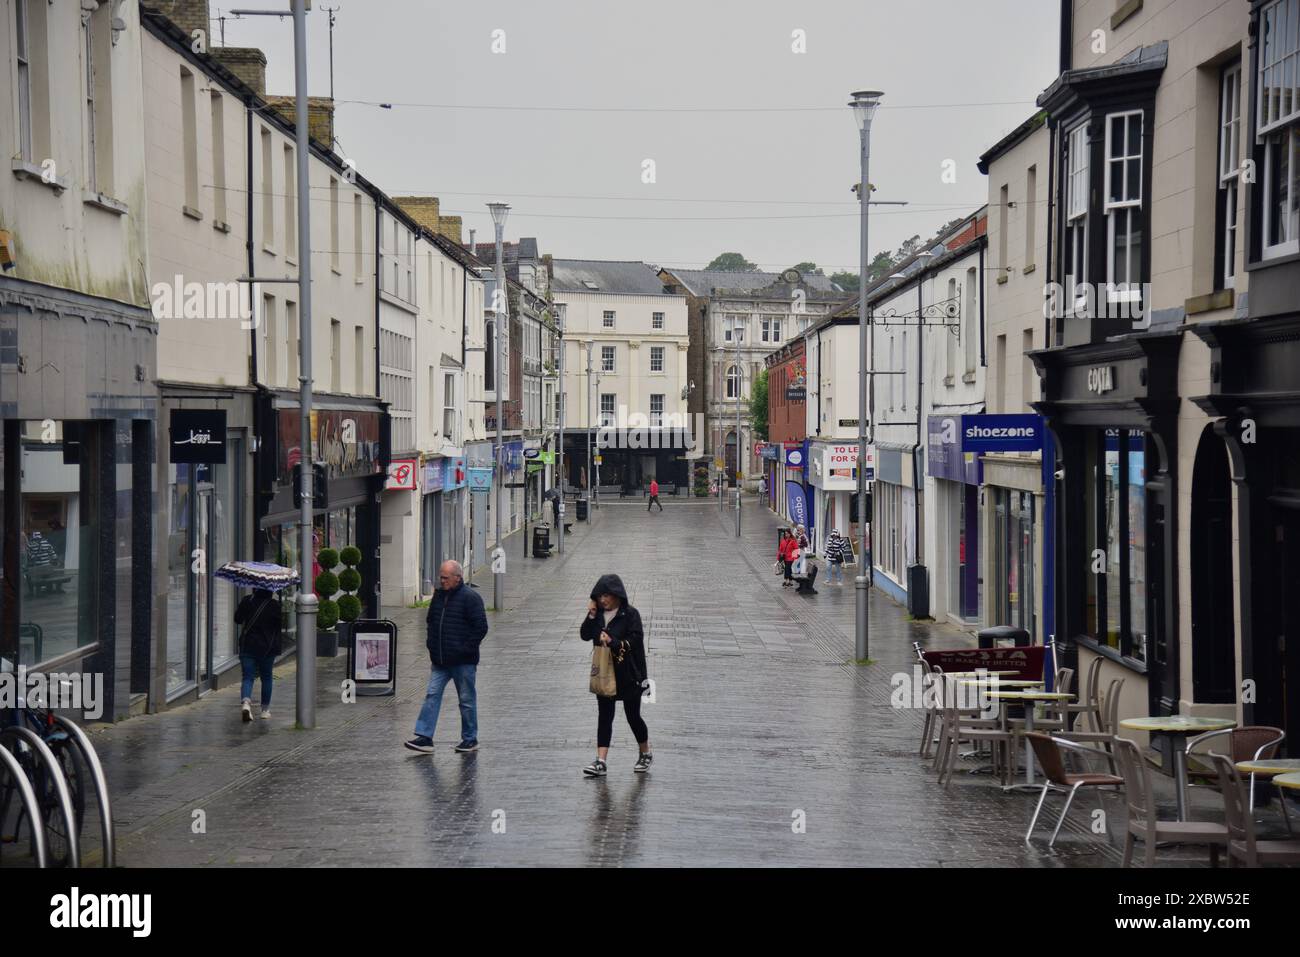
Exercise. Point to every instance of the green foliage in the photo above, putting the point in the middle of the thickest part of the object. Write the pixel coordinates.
(349, 607)
(848, 281)
(758, 405)
(350, 579)
(327, 615)
(732, 262)
(805, 269)
(701, 480)
(350, 556)
(327, 584)
(327, 558)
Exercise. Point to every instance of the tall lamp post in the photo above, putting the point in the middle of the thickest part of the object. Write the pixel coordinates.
(864, 105)
(501, 329)
(591, 420)
(559, 455)
(736, 334)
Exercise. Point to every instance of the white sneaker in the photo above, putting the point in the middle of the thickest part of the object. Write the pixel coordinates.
(246, 707)
(266, 715)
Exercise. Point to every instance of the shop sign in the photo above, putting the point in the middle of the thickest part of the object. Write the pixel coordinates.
(453, 476)
(480, 480)
(770, 452)
(401, 475)
(347, 441)
(796, 499)
(1001, 433)
(794, 457)
(944, 456)
(198, 436)
(1101, 379)
(836, 466)
(433, 472)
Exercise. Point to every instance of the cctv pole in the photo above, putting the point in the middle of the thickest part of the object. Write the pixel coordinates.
(501, 330)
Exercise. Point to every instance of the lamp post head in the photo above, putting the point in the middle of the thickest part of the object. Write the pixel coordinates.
(864, 105)
(499, 211)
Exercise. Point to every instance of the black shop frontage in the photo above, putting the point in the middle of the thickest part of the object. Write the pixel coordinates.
(350, 442)
(1252, 447)
(1112, 407)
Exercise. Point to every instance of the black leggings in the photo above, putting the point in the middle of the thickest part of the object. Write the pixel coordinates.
(787, 566)
(631, 710)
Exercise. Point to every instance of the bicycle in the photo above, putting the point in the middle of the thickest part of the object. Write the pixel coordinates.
(51, 759)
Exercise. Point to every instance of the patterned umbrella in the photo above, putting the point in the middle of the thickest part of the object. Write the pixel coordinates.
(266, 575)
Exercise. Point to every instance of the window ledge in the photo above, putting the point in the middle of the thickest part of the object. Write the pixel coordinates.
(105, 202)
(359, 281)
(968, 377)
(336, 271)
(1106, 651)
(30, 171)
(268, 249)
(1030, 268)
(191, 212)
(1003, 279)
(288, 261)
(1124, 12)
(949, 381)
(220, 225)
(1220, 299)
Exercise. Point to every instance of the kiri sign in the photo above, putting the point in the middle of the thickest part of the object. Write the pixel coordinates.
(198, 437)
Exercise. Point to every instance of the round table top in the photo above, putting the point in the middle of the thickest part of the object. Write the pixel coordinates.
(1291, 780)
(1032, 695)
(1176, 724)
(1000, 683)
(979, 674)
(1269, 766)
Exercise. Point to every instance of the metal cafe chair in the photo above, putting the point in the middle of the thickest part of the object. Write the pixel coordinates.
(1143, 823)
(1252, 743)
(1107, 722)
(1048, 751)
(1089, 704)
(1241, 844)
(959, 725)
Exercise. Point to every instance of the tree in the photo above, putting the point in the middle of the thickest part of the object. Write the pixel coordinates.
(758, 406)
(731, 262)
(848, 281)
(806, 269)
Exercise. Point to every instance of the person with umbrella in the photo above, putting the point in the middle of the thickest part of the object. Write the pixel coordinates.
(259, 645)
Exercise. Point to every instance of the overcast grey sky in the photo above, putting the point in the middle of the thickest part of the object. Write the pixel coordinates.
(609, 83)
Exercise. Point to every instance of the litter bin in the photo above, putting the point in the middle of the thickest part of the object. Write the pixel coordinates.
(582, 509)
(541, 540)
(992, 637)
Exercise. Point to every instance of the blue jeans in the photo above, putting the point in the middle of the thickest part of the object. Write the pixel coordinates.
(463, 675)
(835, 570)
(253, 666)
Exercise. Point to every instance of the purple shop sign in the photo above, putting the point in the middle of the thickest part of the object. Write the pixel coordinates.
(944, 456)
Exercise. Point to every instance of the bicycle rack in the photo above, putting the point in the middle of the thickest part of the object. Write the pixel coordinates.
(42, 750)
(82, 740)
(30, 804)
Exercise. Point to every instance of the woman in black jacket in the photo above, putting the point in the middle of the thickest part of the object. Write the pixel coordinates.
(258, 616)
(613, 622)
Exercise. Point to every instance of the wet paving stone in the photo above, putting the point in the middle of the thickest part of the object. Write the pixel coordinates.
(771, 746)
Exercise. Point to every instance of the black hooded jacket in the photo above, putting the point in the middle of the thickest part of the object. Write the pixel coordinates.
(258, 616)
(625, 633)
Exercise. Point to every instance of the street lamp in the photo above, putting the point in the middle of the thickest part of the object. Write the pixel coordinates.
(591, 345)
(736, 333)
(500, 309)
(558, 309)
(864, 105)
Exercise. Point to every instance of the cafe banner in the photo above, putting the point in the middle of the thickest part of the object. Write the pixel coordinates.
(1027, 662)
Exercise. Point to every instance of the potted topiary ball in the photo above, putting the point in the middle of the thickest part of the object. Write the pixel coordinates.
(327, 611)
(350, 584)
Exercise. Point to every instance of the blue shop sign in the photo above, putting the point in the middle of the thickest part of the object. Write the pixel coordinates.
(796, 498)
(480, 480)
(796, 457)
(1001, 433)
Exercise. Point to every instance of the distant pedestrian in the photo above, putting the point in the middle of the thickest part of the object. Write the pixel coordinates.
(654, 496)
(457, 625)
(762, 486)
(555, 497)
(258, 616)
(801, 536)
(617, 625)
(839, 552)
(787, 550)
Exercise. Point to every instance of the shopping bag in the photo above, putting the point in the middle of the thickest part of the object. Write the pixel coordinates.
(603, 682)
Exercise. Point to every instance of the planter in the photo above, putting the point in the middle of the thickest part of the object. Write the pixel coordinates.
(345, 629)
(327, 644)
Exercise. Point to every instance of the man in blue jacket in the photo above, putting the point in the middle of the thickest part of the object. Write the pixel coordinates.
(457, 625)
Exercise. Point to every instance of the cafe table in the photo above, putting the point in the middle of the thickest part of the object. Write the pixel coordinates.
(1029, 699)
(1177, 728)
(1290, 780)
(1270, 768)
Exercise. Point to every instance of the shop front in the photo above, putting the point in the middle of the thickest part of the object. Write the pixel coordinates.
(79, 406)
(350, 442)
(833, 474)
(770, 455)
(1251, 448)
(442, 517)
(896, 519)
(478, 455)
(1112, 407)
(956, 495)
(206, 472)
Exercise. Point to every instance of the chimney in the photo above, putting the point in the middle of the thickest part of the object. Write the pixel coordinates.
(425, 211)
(320, 116)
(247, 63)
(189, 15)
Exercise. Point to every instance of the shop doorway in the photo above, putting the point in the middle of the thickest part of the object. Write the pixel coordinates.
(1214, 668)
(1286, 572)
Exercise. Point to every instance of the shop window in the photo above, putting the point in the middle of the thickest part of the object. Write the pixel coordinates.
(59, 513)
(1278, 125)
(1116, 540)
